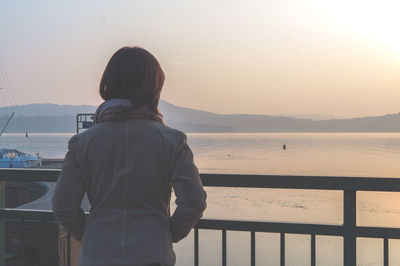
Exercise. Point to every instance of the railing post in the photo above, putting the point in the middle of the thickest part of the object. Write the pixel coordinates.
(196, 246)
(282, 253)
(313, 250)
(2, 224)
(349, 223)
(253, 248)
(224, 248)
(385, 251)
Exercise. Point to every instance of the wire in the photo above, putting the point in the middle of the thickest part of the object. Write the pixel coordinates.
(8, 90)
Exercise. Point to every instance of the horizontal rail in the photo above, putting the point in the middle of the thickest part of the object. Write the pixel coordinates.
(378, 232)
(271, 227)
(297, 228)
(302, 182)
(232, 225)
(27, 214)
(11, 255)
(245, 181)
(29, 175)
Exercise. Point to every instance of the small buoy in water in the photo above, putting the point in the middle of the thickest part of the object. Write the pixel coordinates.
(26, 134)
(284, 146)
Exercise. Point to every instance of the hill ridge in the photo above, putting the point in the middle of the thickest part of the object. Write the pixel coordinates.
(55, 118)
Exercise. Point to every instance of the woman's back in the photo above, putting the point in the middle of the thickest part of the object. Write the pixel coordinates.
(127, 168)
(127, 163)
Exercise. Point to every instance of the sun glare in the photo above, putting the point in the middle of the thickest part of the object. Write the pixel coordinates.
(377, 22)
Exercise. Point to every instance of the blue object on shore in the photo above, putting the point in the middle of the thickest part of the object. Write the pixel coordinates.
(12, 158)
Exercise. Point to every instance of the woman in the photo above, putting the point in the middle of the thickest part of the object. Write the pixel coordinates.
(127, 163)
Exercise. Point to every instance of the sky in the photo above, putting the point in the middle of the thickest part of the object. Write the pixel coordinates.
(337, 58)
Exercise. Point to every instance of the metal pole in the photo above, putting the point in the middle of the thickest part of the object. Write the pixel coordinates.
(196, 246)
(349, 223)
(282, 249)
(313, 251)
(385, 251)
(8, 121)
(2, 224)
(253, 248)
(224, 261)
(77, 124)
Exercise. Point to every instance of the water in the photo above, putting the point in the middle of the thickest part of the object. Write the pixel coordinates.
(335, 154)
(328, 154)
(341, 154)
(47, 145)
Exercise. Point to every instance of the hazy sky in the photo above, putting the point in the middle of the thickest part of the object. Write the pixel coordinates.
(339, 58)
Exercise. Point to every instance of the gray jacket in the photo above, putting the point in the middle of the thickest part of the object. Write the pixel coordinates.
(127, 168)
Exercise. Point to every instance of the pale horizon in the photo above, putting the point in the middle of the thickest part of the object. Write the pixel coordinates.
(338, 59)
(314, 116)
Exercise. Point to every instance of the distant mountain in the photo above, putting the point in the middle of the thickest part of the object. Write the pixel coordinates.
(312, 116)
(54, 118)
(266, 123)
(46, 109)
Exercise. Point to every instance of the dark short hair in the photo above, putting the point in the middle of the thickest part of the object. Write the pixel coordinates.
(135, 74)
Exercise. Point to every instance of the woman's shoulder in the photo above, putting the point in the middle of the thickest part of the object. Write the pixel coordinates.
(100, 132)
(85, 135)
(172, 134)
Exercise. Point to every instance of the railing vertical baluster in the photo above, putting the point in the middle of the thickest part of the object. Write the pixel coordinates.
(385, 251)
(44, 242)
(68, 249)
(22, 228)
(312, 249)
(282, 249)
(2, 224)
(196, 246)
(77, 123)
(223, 247)
(253, 248)
(349, 223)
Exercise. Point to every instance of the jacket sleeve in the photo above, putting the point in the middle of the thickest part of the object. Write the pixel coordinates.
(190, 195)
(69, 193)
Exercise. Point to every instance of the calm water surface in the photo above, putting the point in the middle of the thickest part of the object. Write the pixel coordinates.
(325, 154)
(343, 154)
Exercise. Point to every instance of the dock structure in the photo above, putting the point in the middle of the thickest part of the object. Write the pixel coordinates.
(349, 229)
(51, 163)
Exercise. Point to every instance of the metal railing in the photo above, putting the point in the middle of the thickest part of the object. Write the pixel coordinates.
(83, 122)
(26, 215)
(348, 230)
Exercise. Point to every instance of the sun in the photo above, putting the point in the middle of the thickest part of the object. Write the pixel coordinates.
(377, 22)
